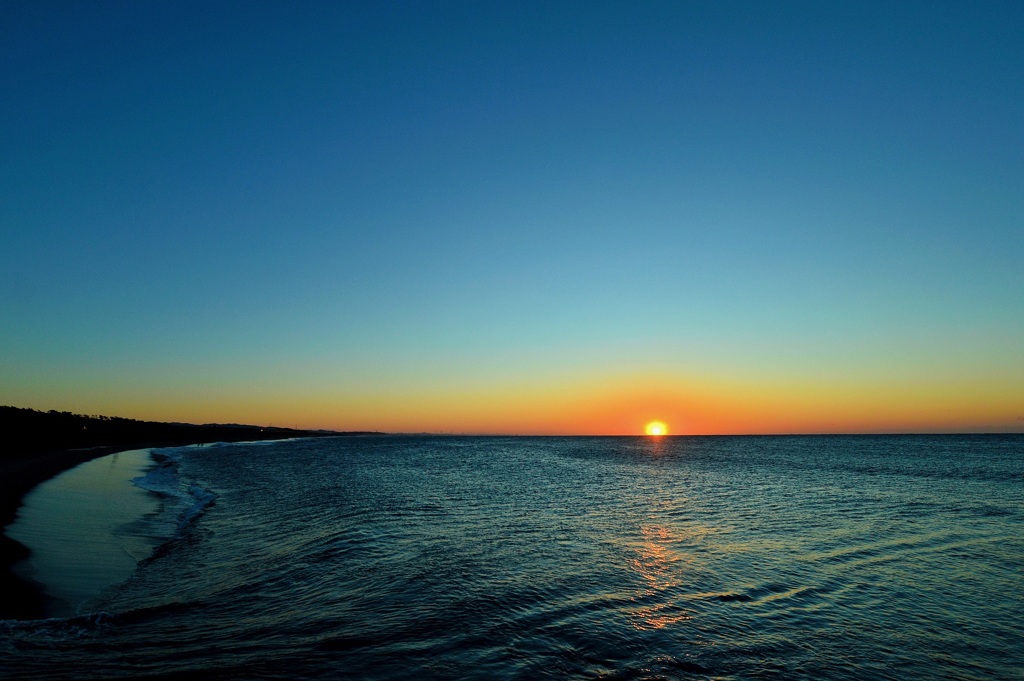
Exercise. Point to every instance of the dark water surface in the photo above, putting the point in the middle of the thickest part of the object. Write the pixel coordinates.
(521, 558)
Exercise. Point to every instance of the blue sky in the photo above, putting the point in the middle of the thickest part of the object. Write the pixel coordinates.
(244, 210)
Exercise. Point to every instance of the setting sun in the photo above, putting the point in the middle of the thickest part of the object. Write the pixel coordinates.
(656, 428)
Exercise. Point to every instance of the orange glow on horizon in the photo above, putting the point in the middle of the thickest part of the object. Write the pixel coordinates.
(595, 405)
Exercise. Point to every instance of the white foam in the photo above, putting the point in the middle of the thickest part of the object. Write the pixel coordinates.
(183, 503)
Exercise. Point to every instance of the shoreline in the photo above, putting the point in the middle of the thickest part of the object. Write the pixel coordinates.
(18, 477)
(53, 442)
(25, 599)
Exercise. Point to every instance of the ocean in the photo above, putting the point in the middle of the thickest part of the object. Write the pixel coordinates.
(417, 557)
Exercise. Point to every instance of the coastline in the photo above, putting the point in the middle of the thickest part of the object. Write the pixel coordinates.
(19, 476)
(53, 442)
(24, 599)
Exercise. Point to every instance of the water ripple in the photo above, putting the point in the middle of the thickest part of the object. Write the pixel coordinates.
(574, 558)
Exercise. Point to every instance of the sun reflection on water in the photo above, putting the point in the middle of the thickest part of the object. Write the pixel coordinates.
(657, 564)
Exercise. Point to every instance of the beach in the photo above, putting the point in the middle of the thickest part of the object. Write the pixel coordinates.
(89, 527)
(53, 442)
(18, 477)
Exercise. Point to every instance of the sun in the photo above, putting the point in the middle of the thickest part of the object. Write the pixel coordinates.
(656, 428)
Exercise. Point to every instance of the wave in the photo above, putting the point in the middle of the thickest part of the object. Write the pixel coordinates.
(185, 501)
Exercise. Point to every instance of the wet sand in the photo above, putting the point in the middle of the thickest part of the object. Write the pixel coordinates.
(82, 527)
(24, 599)
(38, 458)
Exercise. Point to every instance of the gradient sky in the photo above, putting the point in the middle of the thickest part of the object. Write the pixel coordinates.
(482, 217)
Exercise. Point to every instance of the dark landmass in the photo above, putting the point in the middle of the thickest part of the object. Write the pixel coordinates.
(38, 445)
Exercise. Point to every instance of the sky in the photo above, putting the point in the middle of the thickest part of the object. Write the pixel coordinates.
(524, 218)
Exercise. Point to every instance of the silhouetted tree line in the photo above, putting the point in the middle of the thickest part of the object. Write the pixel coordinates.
(28, 430)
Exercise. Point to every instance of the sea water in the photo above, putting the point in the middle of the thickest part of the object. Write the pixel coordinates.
(832, 557)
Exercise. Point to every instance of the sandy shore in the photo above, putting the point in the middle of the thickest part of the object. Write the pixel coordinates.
(20, 472)
(18, 476)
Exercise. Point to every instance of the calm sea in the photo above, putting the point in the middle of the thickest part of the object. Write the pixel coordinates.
(563, 558)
